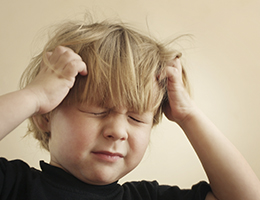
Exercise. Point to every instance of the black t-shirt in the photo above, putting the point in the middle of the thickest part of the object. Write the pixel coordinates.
(19, 181)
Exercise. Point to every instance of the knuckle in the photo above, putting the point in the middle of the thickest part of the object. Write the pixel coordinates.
(71, 68)
(71, 55)
(59, 50)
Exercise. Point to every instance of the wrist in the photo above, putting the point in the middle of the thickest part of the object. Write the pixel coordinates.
(31, 99)
(193, 115)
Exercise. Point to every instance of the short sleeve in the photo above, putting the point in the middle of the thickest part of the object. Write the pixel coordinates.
(198, 191)
(153, 191)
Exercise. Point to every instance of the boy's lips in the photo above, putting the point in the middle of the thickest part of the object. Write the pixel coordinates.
(108, 156)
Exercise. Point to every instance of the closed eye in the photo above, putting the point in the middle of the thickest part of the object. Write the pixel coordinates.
(136, 120)
(99, 113)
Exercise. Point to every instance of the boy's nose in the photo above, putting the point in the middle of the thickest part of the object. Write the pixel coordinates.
(116, 128)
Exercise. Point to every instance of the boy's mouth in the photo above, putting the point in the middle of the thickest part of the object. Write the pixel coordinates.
(108, 156)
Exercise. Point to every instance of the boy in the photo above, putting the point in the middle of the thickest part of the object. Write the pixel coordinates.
(93, 96)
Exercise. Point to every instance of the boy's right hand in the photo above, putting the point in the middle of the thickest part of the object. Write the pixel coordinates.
(53, 83)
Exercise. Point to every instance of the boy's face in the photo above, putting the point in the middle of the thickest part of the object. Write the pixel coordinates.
(98, 145)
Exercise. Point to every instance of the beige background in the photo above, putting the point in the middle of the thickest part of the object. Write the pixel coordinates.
(222, 60)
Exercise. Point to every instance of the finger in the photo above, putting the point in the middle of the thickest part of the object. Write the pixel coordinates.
(57, 53)
(75, 67)
(48, 54)
(173, 75)
(66, 62)
(83, 69)
(65, 58)
(176, 63)
(172, 72)
(177, 70)
(72, 63)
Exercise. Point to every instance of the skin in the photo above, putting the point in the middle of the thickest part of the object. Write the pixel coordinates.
(85, 136)
(229, 174)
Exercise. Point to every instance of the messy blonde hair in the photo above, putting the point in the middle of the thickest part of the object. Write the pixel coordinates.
(122, 68)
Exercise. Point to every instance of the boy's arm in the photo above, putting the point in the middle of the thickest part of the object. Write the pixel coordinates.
(229, 174)
(44, 93)
(15, 107)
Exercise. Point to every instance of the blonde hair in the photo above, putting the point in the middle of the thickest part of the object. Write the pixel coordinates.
(122, 68)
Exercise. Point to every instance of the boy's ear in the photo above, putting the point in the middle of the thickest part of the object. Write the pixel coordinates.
(42, 122)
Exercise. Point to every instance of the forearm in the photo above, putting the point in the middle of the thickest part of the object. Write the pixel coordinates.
(229, 174)
(15, 107)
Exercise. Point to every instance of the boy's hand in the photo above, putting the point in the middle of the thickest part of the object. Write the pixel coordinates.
(52, 84)
(179, 105)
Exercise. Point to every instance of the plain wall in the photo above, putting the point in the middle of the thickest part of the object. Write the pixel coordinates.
(222, 61)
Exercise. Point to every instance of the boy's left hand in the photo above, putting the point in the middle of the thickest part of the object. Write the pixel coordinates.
(179, 105)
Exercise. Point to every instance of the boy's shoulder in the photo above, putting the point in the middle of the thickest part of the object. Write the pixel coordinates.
(15, 178)
(15, 167)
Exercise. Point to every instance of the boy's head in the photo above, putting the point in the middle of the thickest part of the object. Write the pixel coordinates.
(123, 66)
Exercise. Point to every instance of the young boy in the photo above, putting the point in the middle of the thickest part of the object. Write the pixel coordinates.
(93, 96)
